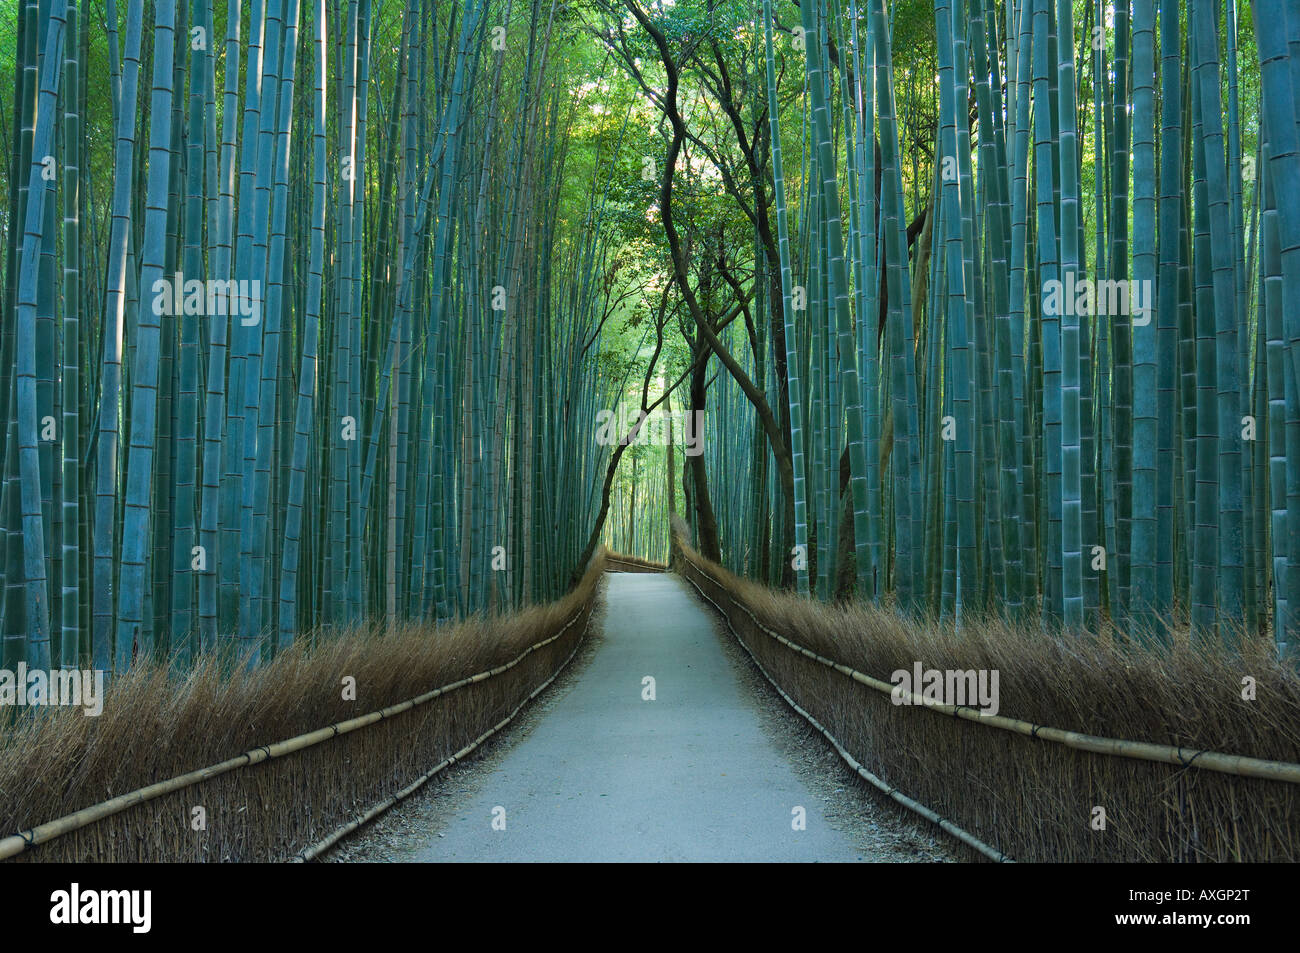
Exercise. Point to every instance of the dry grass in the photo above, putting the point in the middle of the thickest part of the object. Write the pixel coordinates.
(154, 728)
(1031, 798)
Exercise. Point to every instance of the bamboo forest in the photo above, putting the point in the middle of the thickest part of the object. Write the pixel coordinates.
(377, 330)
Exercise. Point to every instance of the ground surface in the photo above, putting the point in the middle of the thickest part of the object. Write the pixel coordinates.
(712, 769)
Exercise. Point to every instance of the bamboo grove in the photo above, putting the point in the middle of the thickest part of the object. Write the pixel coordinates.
(297, 322)
(985, 305)
(1038, 358)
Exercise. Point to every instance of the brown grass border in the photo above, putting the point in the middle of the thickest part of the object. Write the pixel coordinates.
(274, 801)
(1030, 800)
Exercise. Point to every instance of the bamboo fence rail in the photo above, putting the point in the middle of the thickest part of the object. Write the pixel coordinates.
(18, 843)
(1204, 759)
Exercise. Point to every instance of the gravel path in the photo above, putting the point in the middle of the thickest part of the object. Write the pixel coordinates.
(714, 768)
